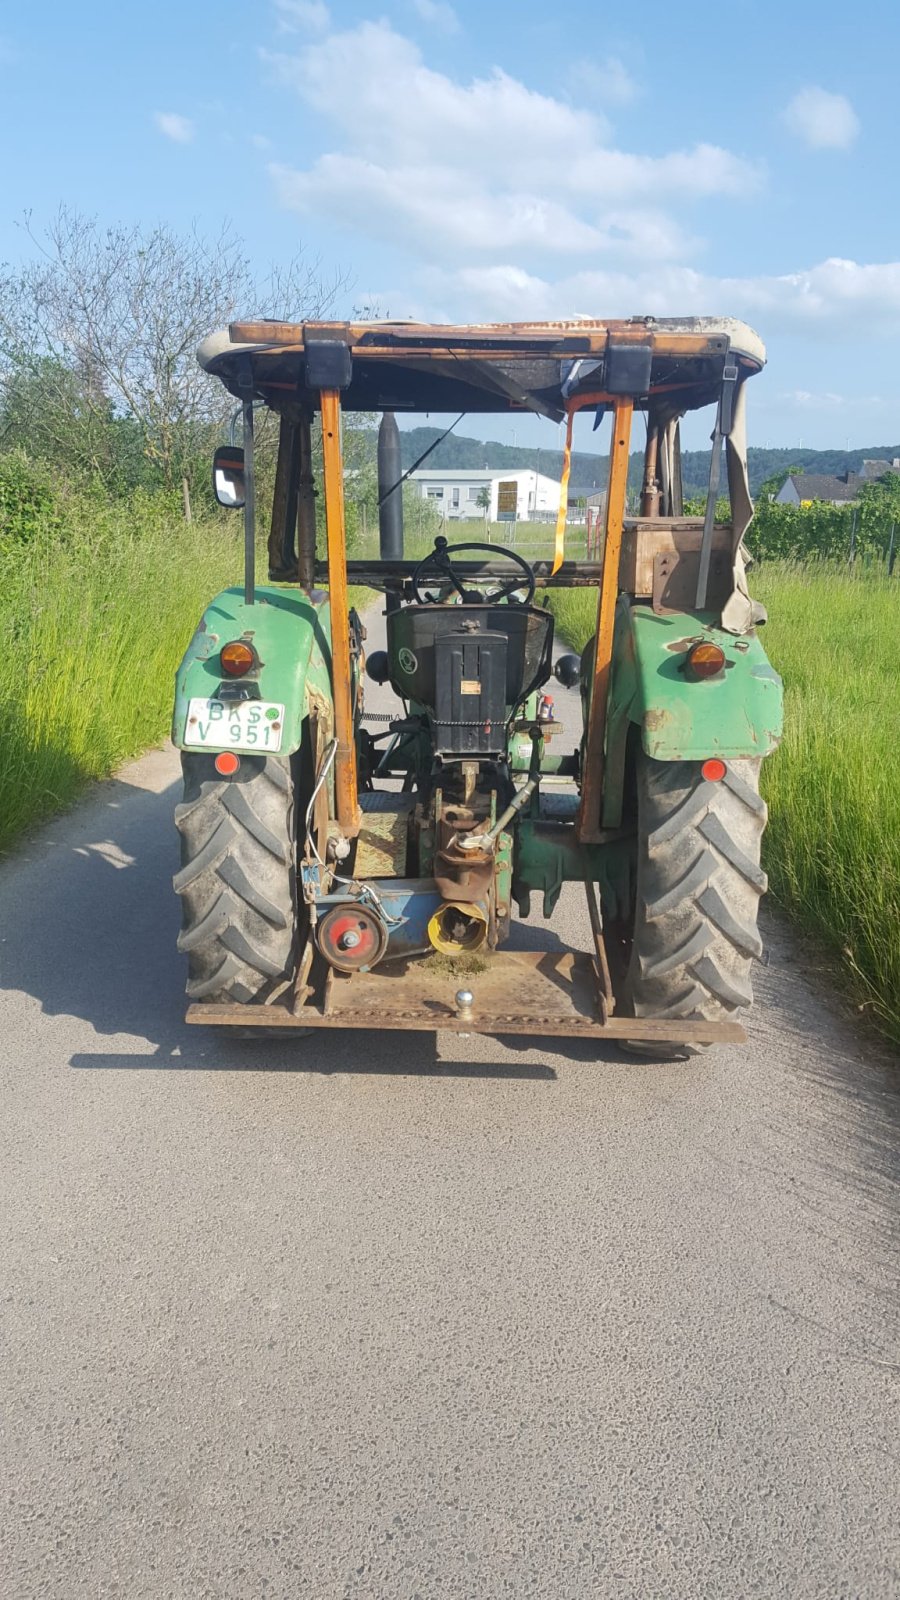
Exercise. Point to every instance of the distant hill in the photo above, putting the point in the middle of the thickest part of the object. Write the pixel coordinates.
(589, 470)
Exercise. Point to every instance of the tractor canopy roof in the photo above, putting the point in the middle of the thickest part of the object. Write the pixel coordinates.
(667, 364)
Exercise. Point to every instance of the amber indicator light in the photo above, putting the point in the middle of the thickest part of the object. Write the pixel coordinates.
(705, 660)
(227, 763)
(237, 658)
(714, 770)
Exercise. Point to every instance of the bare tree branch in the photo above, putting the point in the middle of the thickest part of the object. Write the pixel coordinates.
(110, 319)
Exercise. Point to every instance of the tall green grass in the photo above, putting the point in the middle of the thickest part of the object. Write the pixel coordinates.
(96, 608)
(832, 847)
(833, 841)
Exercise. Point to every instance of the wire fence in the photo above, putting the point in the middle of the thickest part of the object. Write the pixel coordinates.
(866, 533)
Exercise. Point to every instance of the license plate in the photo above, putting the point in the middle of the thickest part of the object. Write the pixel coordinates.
(235, 725)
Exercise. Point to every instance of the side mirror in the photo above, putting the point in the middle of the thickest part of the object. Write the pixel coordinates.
(567, 671)
(228, 476)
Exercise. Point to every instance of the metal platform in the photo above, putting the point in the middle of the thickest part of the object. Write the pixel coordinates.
(540, 993)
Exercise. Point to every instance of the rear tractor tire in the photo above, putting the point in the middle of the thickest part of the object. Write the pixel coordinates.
(698, 887)
(237, 880)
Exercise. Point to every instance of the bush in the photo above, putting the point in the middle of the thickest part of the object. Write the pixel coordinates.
(27, 499)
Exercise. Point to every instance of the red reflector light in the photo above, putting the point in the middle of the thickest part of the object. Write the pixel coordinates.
(237, 658)
(705, 660)
(227, 763)
(714, 770)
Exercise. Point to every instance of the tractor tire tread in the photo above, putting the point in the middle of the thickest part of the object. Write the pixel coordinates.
(716, 834)
(237, 878)
(698, 886)
(693, 946)
(232, 873)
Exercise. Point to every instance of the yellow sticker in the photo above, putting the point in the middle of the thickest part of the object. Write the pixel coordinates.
(470, 686)
(560, 546)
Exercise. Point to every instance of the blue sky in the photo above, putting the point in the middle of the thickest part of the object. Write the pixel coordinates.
(491, 159)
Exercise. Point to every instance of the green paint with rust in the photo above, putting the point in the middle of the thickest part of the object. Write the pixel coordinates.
(291, 634)
(737, 713)
(547, 855)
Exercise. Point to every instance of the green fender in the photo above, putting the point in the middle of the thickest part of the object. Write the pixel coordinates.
(290, 632)
(738, 713)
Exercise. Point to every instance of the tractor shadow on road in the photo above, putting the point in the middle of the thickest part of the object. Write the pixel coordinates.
(91, 921)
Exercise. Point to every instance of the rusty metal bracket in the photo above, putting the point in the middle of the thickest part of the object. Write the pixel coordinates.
(604, 983)
(544, 993)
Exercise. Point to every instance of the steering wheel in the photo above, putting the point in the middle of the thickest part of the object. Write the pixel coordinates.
(437, 564)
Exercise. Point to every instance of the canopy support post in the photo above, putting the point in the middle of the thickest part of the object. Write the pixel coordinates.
(306, 506)
(282, 556)
(650, 495)
(594, 753)
(246, 386)
(724, 416)
(346, 803)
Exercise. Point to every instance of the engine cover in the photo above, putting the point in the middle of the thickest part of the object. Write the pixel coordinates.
(470, 693)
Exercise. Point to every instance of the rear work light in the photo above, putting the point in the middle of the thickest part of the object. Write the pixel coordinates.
(237, 658)
(705, 660)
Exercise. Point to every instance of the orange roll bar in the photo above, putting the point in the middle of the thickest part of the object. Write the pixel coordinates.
(594, 751)
(345, 786)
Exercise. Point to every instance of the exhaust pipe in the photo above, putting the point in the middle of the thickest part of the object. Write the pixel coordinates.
(458, 929)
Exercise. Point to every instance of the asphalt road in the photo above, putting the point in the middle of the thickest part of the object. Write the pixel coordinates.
(412, 1316)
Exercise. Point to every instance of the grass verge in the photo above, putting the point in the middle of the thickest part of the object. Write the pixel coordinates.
(832, 847)
(94, 618)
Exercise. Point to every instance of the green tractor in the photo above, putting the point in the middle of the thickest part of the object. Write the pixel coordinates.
(344, 868)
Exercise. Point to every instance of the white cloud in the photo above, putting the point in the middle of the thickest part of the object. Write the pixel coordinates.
(822, 120)
(513, 203)
(825, 400)
(485, 167)
(438, 13)
(608, 79)
(174, 126)
(434, 207)
(398, 105)
(833, 299)
(441, 211)
(297, 16)
(809, 400)
(260, 141)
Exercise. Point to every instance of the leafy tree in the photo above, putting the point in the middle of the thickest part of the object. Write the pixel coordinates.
(102, 326)
(773, 485)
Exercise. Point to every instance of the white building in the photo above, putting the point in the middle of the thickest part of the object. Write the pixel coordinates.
(457, 494)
